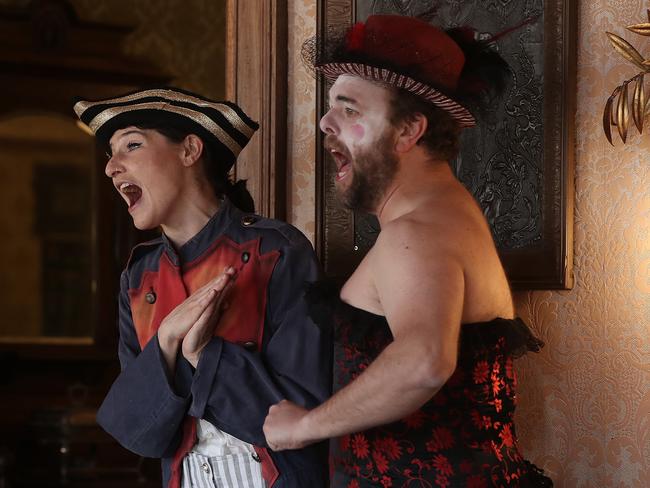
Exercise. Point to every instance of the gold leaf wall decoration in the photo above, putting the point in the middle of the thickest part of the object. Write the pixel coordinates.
(642, 29)
(619, 106)
(638, 103)
(626, 49)
(622, 114)
(608, 115)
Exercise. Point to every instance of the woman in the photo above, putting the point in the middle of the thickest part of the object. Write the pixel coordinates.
(197, 376)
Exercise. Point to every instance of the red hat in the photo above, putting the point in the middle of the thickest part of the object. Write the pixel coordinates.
(407, 53)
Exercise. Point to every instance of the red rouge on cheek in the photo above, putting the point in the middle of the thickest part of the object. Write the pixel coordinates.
(358, 131)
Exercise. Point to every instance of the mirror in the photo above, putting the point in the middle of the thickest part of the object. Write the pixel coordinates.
(46, 195)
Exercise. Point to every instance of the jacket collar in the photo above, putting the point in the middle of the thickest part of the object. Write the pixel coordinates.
(199, 244)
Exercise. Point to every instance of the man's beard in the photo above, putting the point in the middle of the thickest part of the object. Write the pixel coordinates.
(373, 171)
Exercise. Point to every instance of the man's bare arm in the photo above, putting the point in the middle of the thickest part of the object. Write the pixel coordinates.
(420, 286)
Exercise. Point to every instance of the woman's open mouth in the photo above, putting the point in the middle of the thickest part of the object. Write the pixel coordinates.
(131, 193)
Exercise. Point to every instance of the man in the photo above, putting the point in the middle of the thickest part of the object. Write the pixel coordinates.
(428, 389)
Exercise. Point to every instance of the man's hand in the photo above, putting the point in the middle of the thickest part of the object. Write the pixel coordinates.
(284, 427)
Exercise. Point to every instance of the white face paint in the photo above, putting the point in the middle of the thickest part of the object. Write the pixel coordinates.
(360, 139)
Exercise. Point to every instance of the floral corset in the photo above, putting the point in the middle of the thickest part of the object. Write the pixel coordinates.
(463, 437)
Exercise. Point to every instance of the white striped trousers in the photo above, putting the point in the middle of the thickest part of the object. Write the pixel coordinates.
(230, 471)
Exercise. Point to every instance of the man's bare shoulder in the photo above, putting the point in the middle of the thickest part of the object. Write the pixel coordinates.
(418, 247)
(405, 230)
(439, 229)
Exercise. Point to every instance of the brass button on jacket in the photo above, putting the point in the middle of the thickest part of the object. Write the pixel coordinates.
(247, 220)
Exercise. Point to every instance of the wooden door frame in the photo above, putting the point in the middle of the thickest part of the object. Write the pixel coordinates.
(256, 79)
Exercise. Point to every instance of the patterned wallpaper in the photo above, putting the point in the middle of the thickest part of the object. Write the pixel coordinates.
(585, 401)
(584, 411)
(301, 114)
(185, 38)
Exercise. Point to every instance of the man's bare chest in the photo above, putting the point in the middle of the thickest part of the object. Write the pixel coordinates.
(360, 291)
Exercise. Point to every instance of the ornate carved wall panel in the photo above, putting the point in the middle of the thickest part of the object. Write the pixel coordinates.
(518, 162)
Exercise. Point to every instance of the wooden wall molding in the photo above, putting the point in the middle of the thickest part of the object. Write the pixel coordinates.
(256, 79)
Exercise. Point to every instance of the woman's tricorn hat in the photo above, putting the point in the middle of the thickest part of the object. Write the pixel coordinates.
(409, 53)
(222, 125)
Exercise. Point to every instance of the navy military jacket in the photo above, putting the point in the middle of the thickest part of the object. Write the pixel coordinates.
(265, 347)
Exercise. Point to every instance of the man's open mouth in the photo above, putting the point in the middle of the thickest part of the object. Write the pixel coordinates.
(340, 155)
(130, 192)
(342, 164)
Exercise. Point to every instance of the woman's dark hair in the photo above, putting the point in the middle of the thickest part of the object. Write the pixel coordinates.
(215, 171)
(441, 138)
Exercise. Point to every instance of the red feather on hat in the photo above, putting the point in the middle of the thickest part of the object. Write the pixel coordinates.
(355, 36)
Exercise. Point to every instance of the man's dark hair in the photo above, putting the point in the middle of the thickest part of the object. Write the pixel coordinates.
(441, 139)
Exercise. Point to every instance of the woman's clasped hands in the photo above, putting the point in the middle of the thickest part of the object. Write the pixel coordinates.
(191, 324)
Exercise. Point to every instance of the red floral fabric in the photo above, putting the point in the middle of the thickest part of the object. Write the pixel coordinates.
(463, 437)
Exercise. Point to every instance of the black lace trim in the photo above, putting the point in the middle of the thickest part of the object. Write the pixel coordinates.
(327, 309)
(536, 477)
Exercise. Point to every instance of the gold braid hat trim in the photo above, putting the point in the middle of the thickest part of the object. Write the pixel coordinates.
(203, 120)
(228, 112)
